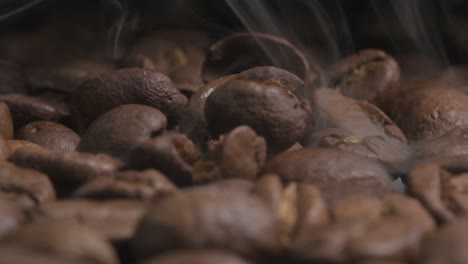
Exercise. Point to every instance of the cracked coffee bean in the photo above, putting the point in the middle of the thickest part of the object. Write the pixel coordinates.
(50, 135)
(242, 51)
(238, 154)
(118, 131)
(271, 108)
(364, 75)
(126, 185)
(127, 86)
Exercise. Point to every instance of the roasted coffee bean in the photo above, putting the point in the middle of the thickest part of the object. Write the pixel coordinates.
(26, 109)
(50, 135)
(238, 154)
(452, 143)
(127, 86)
(63, 238)
(24, 186)
(18, 144)
(382, 148)
(364, 75)
(115, 220)
(441, 187)
(448, 245)
(296, 206)
(118, 131)
(425, 110)
(6, 122)
(242, 51)
(193, 121)
(67, 170)
(173, 154)
(390, 227)
(202, 256)
(320, 165)
(333, 110)
(12, 78)
(271, 109)
(208, 217)
(455, 77)
(67, 76)
(126, 185)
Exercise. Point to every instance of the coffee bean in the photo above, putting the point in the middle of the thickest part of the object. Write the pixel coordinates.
(67, 170)
(6, 122)
(271, 109)
(26, 109)
(242, 51)
(203, 256)
(63, 238)
(126, 185)
(127, 86)
(173, 154)
(320, 165)
(50, 135)
(118, 131)
(238, 154)
(24, 186)
(365, 74)
(425, 110)
(208, 217)
(115, 220)
(18, 144)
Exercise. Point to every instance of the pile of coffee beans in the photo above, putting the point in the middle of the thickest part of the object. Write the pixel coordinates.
(190, 149)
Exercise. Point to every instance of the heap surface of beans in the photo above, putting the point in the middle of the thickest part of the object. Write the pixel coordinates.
(189, 149)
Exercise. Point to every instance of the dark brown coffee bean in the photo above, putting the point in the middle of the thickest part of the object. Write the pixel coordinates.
(333, 110)
(271, 109)
(50, 135)
(242, 51)
(67, 170)
(67, 76)
(121, 129)
(6, 122)
(441, 188)
(364, 75)
(452, 143)
(238, 154)
(63, 238)
(448, 245)
(127, 185)
(24, 186)
(320, 165)
(5, 150)
(210, 218)
(115, 220)
(425, 110)
(173, 154)
(128, 86)
(26, 109)
(202, 256)
(193, 121)
(12, 78)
